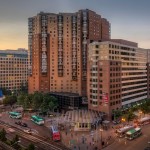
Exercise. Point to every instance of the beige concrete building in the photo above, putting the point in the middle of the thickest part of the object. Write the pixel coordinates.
(13, 69)
(58, 46)
(117, 75)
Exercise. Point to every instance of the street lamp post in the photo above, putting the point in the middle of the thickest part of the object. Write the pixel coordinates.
(140, 114)
(101, 130)
(123, 120)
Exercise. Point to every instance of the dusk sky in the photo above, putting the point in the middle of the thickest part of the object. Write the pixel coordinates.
(130, 19)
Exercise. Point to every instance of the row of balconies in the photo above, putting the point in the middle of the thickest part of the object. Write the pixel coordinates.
(74, 36)
(60, 64)
(60, 74)
(30, 36)
(74, 74)
(60, 32)
(60, 67)
(60, 35)
(60, 24)
(74, 48)
(44, 35)
(43, 42)
(60, 49)
(60, 17)
(60, 28)
(74, 32)
(44, 32)
(84, 32)
(44, 24)
(74, 67)
(84, 18)
(30, 23)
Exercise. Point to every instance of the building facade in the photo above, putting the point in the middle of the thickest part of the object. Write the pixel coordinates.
(58, 46)
(13, 69)
(118, 75)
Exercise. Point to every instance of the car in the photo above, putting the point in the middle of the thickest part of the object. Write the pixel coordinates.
(51, 115)
(18, 122)
(116, 121)
(24, 125)
(27, 131)
(21, 124)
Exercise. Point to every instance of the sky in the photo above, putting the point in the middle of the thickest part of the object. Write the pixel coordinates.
(130, 19)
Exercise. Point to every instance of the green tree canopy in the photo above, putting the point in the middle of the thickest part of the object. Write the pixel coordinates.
(37, 100)
(3, 135)
(31, 147)
(10, 100)
(129, 116)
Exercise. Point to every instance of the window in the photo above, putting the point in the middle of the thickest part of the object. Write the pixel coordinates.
(97, 46)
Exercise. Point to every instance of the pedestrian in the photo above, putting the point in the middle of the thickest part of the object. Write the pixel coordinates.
(93, 143)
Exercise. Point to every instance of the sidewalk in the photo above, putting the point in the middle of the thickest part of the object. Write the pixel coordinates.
(87, 140)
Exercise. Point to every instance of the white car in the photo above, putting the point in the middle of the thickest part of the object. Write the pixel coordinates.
(27, 131)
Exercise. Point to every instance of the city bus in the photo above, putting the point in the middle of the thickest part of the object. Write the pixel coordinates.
(143, 121)
(55, 134)
(38, 120)
(121, 132)
(16, 115)
(133, 133)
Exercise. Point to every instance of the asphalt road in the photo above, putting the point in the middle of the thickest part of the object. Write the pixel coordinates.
(42, 143)
(137, 144)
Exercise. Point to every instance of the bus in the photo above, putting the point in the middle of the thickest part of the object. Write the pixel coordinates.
(143, 121)
(133, 133)
(55, 134)
(16, 115)
(121, 132)
(38, 120)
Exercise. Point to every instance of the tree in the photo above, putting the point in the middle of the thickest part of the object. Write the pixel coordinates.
(129, 116)
(117, 114)
(51, 105)
(27, 102)
(3, 135)
(54, 101)
(31, 147)
(24, 87)
(21, 99)
(145, 108)
(14, 142)
(5, 91)
(37, 100)
(44, 106)
(10, 100)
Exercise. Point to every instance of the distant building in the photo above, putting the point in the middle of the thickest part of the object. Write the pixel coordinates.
(13, 69)
(58, 46)
(118, 75)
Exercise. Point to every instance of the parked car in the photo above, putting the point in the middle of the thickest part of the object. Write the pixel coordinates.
(116, 121)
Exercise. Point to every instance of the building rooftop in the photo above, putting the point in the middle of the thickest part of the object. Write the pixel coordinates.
(125, 42)
(66, 94)
(14, 53)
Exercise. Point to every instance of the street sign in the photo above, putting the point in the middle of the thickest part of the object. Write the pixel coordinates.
(105, 98)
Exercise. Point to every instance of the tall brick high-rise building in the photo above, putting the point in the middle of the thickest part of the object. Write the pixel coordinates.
(118, 75)
(58, 46)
